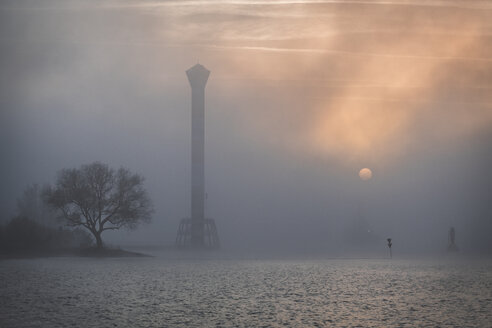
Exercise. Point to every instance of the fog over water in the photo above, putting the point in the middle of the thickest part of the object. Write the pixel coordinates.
(301, 96)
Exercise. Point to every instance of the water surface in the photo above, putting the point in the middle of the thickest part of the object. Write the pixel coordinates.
(163, 292)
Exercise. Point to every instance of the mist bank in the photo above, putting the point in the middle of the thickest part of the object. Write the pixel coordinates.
(301, 96)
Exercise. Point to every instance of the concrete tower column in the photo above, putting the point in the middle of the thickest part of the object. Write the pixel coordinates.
(197, 76)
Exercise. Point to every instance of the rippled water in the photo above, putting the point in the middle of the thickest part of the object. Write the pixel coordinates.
(159, 292)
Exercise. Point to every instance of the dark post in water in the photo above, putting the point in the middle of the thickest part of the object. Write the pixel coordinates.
(451, 241)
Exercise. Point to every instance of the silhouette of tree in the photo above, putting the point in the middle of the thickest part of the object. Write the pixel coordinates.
(100, 198)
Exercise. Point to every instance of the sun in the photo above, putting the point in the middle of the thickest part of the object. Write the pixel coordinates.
(365, 174)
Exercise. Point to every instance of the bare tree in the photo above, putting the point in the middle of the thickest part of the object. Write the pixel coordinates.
(100, 198)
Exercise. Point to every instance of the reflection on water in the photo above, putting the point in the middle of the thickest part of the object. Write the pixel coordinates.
(158, 292)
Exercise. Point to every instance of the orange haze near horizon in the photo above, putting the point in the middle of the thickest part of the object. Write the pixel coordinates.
(353, 82)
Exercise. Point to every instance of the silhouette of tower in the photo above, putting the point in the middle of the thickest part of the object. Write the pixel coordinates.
(197, 232)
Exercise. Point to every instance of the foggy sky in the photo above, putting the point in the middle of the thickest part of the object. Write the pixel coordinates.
(301, 96)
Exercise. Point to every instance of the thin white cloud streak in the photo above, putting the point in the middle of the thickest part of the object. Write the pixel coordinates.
(353, 53)
(250, 48)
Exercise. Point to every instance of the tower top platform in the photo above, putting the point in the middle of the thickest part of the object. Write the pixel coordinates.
(198, 76)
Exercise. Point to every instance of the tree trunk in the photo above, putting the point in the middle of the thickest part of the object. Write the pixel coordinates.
(99, 243)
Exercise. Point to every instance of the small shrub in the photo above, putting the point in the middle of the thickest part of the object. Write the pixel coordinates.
(23, 234)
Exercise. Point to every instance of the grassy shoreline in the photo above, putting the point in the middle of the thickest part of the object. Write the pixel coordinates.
(71, 252)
